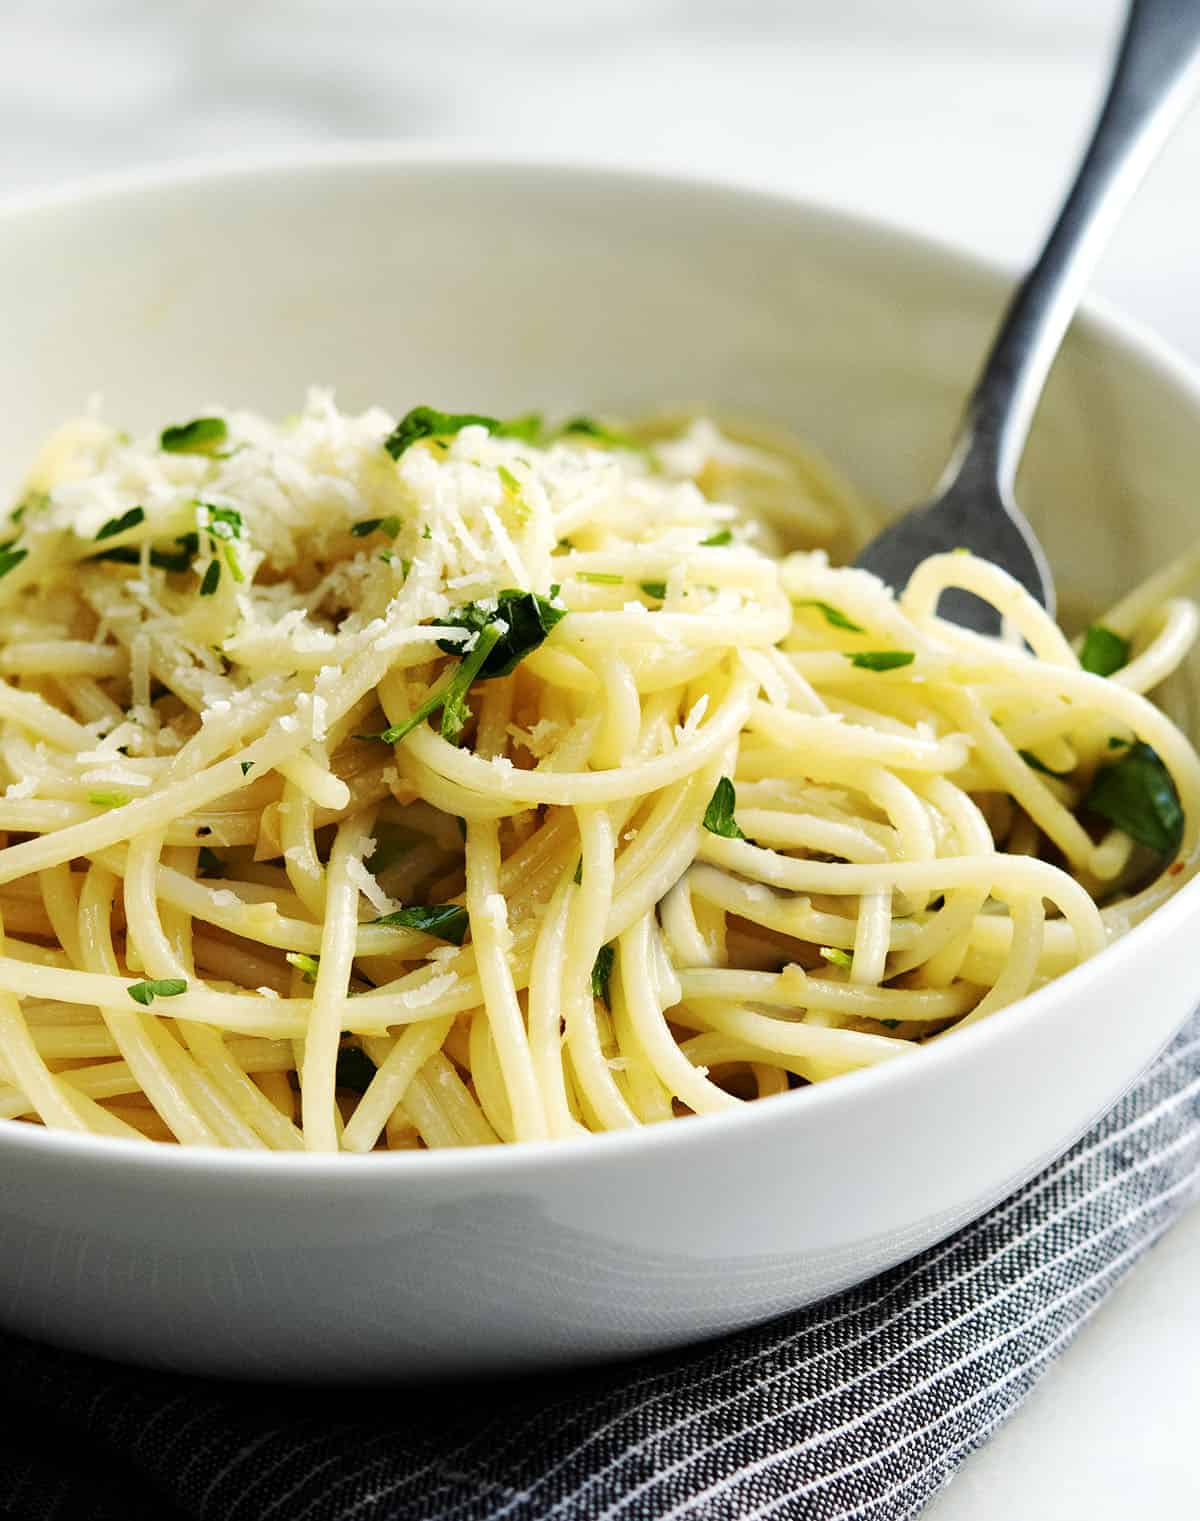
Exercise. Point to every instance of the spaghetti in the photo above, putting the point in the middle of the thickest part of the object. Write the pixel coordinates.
(454, 781)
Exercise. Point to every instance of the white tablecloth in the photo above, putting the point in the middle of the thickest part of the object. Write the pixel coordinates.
(957, 117)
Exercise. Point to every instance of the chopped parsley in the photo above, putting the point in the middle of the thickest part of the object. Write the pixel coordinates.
(189, 544)
(162, 987)
(1103, 651)
(527, 427)
(224, 526)
(178, 560)
(600, 578)
(127, 520)
(450, 695)
(203, 435)
(717, 540)
(455, 712)
(447, 921)
(836, 957)
(602, 972)
(223, 522)
(1137, 794)
(32, 501)
(655, 589)
(108, 799)
(307, 966)
(529, 619)
(355, 1069)
(718, 816)
(1115, 742)
(10, 558)
(834, 616)
(1032, 761)
(881, 660)
(588, 427)
(578, 877)
(247, 767)
(427, 422)
(390, 525)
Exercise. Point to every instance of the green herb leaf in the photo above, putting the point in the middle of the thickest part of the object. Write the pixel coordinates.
(307, 966)
(1032, 761)
(578, 877)
(600, 578)
(1103, 651)
(1115, 742)
(837, 957)
(10, 559)
(212, 577)
(455, 712)
(889, 1024)
(203, 435)
(834, 616)
(124, 554)
(209, 863)
(655, 589)
(717, 540)
(247, 767)
(181, 560)
(355, 1069)
(881, 660)
(529, 617)
(588, 427)
(162, 987)
(235, 565)
(32, 501)
(602, 972)
(389, 525)
(127, 520)
(223, 522)
(427, 422)
(496, 653)
(447, 921)
(527, 427)
(718, 816)
(108, 799)
(508, 480)
(1137, 794)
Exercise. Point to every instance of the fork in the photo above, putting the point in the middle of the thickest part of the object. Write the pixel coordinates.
(974, 506)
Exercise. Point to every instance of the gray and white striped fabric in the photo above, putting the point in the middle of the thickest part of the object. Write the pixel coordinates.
(860, 1407)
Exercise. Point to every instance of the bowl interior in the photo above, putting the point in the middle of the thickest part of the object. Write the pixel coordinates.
(505, 287)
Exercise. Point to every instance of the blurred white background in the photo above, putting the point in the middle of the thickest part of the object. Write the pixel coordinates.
(960, 118)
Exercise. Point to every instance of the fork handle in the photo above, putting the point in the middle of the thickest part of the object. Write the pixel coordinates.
(1156, 70)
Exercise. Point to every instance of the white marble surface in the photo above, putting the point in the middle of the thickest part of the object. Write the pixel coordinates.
(957, 117)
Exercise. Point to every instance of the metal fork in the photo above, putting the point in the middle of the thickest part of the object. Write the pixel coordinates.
(1154, 77)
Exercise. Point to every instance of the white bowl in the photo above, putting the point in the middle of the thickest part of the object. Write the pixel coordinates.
(413, 277)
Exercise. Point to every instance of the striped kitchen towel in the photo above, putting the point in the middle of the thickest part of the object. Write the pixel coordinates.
(858, 1407)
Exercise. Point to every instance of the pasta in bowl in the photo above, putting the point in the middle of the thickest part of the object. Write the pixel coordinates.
(440, 781)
